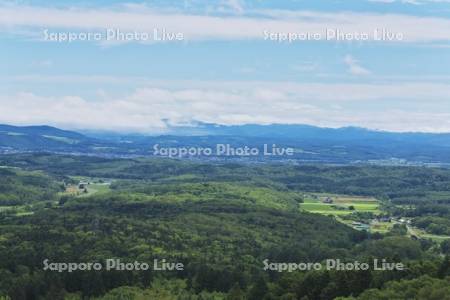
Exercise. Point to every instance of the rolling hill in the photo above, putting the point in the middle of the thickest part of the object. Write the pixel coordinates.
(311, 144)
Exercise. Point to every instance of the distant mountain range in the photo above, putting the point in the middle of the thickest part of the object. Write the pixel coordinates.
(40, 138)
(311, 144)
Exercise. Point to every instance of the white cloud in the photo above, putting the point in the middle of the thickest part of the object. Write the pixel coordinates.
(354, 67)
(201, 27)
(397, 107)
(235, 5)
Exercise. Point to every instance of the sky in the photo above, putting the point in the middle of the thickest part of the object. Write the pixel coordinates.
(141, 66)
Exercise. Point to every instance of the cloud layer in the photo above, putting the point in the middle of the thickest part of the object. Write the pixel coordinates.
(331, 105)
(203, 27)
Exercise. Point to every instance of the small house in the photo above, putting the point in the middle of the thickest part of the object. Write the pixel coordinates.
(328, 200)
(82, 185)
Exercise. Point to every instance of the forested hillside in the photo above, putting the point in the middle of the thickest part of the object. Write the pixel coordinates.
(221, 221)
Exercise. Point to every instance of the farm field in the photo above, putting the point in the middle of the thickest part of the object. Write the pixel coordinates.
(341, 206)
(381, 227)
(90, 186)
(425, 235)
(338, 205)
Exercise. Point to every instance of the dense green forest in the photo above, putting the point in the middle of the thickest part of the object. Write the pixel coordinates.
(17, 188)
(221, 221)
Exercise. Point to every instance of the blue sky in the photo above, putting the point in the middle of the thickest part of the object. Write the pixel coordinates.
(224, 70)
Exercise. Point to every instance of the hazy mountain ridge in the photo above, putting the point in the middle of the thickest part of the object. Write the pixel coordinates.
(316, 144)
(41, 138)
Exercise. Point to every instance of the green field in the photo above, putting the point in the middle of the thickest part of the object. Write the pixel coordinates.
(94, 188)
(381, 227)
(341, 204)
(425, 235)
(96, 185)
(344, 205)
